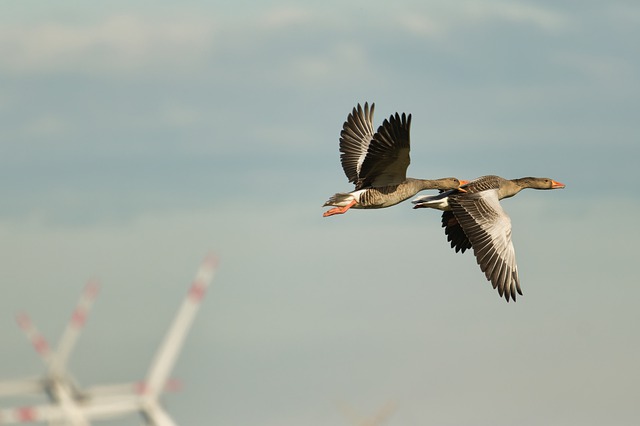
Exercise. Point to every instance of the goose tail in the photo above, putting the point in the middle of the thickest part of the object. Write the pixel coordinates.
(340, 199)
(439, 202)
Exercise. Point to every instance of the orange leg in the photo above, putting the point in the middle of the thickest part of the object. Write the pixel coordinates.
(339, 210)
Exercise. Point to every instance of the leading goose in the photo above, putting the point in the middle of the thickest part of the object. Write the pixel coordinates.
(475, 219)
(377, 163)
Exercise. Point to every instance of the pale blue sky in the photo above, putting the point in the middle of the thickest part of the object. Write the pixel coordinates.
(134, 138)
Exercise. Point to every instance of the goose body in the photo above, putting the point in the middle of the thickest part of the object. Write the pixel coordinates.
(377, 163)
(473, 218)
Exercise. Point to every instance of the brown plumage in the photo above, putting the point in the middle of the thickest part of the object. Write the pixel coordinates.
(475, 219)
(377, 163)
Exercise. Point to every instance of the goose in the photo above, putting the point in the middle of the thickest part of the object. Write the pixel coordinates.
(475, 219)
(377, 163)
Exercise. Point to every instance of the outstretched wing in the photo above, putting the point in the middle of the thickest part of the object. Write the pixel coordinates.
(488, 229)
(356, 135)
(387, 158)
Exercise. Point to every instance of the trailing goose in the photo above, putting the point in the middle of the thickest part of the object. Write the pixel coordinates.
(475, 219)
(377, 163)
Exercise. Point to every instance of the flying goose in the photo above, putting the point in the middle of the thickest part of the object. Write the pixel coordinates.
(377, 163)
(475, 219)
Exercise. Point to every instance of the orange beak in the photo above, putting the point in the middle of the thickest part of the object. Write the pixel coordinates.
(462, 182)
(556, 185)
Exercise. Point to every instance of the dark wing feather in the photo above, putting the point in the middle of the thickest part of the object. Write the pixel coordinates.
(356, 135)
(454, 232)
(488, 229)
(387, 158)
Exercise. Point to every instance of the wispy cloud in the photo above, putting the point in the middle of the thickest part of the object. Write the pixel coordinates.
(181, 115)
(421, 24)
(439, 18)
(46, 126)
(599, 67)
(131, 43)
(331, 63)
(283, 17)
(541, 17)
(121, 42)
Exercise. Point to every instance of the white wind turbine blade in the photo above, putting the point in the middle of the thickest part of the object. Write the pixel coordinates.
(37, 340)
(110, 407)
(36, 413)
(29, 386)
(113, 390)
(157, 416)
(74, 327)
(70, 408)
(133, 388)
(166, 355)
(60, 390)
(98, 409)
(48, 357)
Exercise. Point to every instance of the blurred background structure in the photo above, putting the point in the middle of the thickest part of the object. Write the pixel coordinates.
(72, 405)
